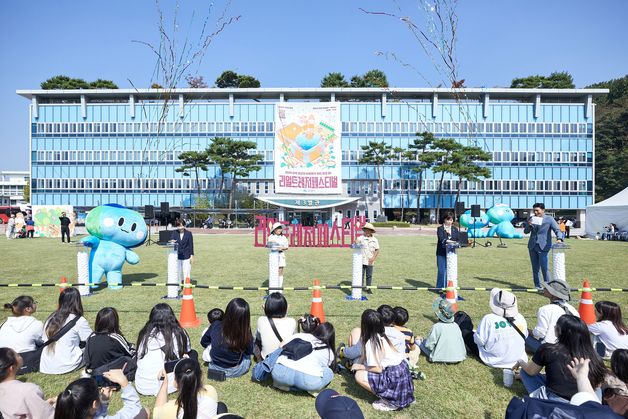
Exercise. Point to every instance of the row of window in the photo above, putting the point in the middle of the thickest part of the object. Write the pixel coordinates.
(347, 127)
(507, 156)
(353, 187)
(121, 156)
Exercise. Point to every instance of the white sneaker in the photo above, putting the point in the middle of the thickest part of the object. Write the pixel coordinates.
(383, 405)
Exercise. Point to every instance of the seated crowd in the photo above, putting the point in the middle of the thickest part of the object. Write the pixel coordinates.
(302, 356)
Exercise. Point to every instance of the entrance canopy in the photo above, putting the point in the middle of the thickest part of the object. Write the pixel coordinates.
(307, 202)
(612, 210)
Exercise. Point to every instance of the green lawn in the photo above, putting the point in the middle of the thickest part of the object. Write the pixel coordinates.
(466, 390)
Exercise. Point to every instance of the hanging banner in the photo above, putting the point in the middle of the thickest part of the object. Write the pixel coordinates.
(307, 148)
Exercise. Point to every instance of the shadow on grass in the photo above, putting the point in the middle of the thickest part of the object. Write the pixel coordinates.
(516, 389)
(353, 389)
(506, 283)
(140, 277)
(346, 291)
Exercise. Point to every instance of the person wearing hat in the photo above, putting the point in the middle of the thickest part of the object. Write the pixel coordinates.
(331, 405)
(500, 337)
(558, 292)
(444, 343)
(540, 227)
(279, 241)
(370, 251)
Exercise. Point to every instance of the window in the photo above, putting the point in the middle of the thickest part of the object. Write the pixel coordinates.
(387, 126)
(497, 127)
(539, 128)
(514, 127)
(227, 126)
(353, 127)
(488, 127)
(505, 128)
(236, 127)
(379, 127)
(96, 127)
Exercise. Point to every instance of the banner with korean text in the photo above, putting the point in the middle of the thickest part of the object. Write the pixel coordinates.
(307, 148)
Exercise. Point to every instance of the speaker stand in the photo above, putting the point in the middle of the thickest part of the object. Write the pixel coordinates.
(150, 228)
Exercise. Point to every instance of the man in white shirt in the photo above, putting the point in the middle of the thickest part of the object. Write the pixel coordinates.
(370, 251)
(558, 292)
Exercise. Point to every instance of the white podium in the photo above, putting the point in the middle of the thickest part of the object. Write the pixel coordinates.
(356, 274)
(452, 266)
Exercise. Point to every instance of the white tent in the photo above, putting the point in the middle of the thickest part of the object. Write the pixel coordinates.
(611, 210)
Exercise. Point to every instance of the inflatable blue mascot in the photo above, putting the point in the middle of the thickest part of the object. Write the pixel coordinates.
(475, 225)
(500, 215)
(114, 230)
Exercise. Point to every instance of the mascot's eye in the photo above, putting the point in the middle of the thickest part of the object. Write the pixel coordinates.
(133, 227)
(121, 221)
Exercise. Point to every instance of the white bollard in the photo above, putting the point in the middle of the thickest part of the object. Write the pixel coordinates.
(356, 273)
(82, 264)
(558, 262)
(173, 272)
(273, 269)
(452, 266)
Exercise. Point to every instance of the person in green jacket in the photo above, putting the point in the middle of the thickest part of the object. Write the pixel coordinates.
(444, 343)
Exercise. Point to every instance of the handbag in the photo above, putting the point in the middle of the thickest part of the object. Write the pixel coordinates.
(262, 370)
(298, 348)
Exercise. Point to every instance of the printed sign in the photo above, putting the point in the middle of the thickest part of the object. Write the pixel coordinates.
(333, 234)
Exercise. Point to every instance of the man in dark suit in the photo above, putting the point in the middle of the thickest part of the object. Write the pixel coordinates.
(185, 243)
(540, 227)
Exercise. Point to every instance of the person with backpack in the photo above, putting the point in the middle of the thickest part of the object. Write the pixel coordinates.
(67, 330)
(161, 339)
(558, 293)
(312, 369)
(107, 348)
(274, 327)
(22, 332)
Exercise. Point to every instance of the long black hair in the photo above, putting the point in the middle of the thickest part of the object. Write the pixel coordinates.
(107, 321)
(612, 312)
(163, 321)
(77, 400)
(325, 333)
(20, 304)
(8, 359)
(69, 303)
(236, 326)
(573, 335)
(372, 331)
(619, 364)
(187, 374)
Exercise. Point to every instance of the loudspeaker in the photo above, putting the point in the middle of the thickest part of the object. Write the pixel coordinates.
(149, 211)
(475, 210)
(459, 208)
(463, 239)
(164, 236)
(165, 208)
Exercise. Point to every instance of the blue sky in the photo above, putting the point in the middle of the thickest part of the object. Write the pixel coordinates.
(295, 43)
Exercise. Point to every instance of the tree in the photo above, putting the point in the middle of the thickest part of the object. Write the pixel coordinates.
(376, 154)
(66, 83)
(195, 82)
(232, 79)
(334, 80)
(465, 166)
(156, 86)
(27, 191)
(398, 153)
(193, 161)
(556, 80)
(242, 163)
(416, 152)
(372, 78)
(441, 154)
(219, 152)
(103, 84)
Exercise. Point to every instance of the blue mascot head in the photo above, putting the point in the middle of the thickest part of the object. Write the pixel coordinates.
(118, 224)
(500, 212)
(473, 222)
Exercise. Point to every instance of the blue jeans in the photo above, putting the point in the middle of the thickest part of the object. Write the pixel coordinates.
(532, 382)
(538, 258)
(297, 380)
(441, 277)
(353, 352)
(532, 344)
(236, 371)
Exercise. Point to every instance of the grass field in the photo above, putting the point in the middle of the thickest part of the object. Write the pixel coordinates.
(467, 390)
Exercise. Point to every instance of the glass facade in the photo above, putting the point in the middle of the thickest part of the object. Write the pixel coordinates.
(125, 151)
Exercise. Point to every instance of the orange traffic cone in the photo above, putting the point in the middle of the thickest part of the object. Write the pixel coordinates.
(451, 296)
(317, 302)
(63, 285)
(587, 314)
(188, 313)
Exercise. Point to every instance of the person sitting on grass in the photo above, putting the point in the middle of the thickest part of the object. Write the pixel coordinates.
(65, 354)
(213, 315)
(161, 339)
(107, 345)
(444, 343)
(83, 399)
(194, 400)
(382, 371)
(411, 349)
(19, 399)
(610, 331)
(314, 371)
(231, 340)
(574, 341)
(558, 292)
(274, 327)
(22, 332)
(615, 387)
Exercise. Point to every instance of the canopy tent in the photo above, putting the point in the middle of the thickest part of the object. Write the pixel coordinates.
(612, 210)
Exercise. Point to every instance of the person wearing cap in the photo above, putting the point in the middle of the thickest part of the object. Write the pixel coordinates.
(278, 240)
(331, 405)
(370, 251)
(10, 232)
(444, 343)
(500, 337)
(540, 227)
(447, 234)
(558, 292)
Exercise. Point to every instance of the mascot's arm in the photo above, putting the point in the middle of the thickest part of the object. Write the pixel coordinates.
(491, 232)
(131, 257)
(90, 241)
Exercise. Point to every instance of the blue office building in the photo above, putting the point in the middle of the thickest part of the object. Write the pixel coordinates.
(91, 147)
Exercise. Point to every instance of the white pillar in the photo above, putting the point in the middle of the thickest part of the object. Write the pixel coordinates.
(558, 262)
(173, 273)
(452, 267)
(82, 264)
(356, 274)
(273, 271)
